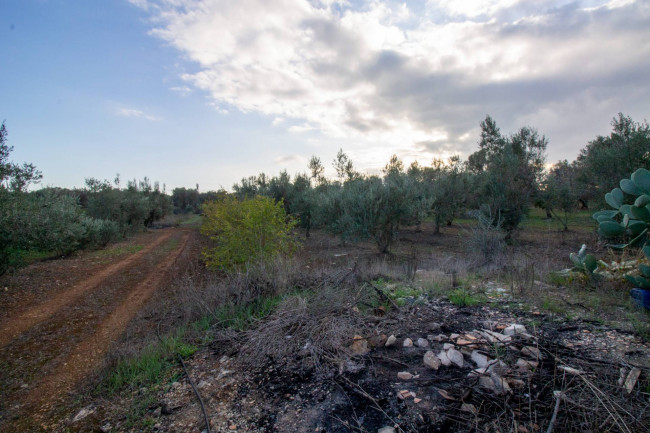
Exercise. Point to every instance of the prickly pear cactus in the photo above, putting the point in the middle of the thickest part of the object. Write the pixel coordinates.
(583, 262)
(630, 221)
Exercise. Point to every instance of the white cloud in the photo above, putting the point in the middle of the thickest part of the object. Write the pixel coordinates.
(282, 160)
(386, 77)
(132, 112)
(182, 90)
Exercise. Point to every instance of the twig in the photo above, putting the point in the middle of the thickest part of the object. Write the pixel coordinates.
(558, 397)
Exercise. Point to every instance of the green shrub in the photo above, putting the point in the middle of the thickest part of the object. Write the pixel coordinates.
(245, 231)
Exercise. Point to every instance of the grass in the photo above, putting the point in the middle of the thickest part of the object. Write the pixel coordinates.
(242, 317)
(192, 221)
(151, 366)
(464, 298)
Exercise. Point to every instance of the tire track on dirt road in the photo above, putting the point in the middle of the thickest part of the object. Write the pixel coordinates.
(21, 322)
(54, 386)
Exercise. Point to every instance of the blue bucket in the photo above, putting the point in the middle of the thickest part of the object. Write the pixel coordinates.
(641, 298)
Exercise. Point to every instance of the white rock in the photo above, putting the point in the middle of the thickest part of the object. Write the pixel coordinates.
(404, 375)
(454, 336)
(444, 359)
(479, 359)
(514, 329)
(422, 342)
(391, 340)
(83, 413)
(431, 360)
(455, 356)
(407, 342)
(387, 429)
(447, 346)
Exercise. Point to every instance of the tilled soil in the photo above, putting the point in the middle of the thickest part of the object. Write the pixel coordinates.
(62, 317)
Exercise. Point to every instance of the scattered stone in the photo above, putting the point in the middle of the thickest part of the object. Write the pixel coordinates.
(446, 395)
(495, 383)
(157, 412)
(514, 329)
(83, 413)
(570, 370)
(434, 326)
(431, 360)
(455, 356)
(359, 346)
(439, 337)
(404, 394)
(447, 346)
(532, 352)
(176, 385)
(631, 380)
(391, 340)
(387, 429)
(444, 359)
(516, 383)
(404, 375)
(524, 364)
(454, 336)
(466, 407)
(497, 367)
(232, 427)
(494, 337)
(407, 342)
(106, 428)
(203, 384)
(422, 342)
(479, 359)
(417, 400)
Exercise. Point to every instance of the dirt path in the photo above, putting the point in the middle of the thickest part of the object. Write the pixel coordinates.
(48, 349)
(22, 321)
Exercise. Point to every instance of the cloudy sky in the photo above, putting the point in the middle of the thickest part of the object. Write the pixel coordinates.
(209, 91)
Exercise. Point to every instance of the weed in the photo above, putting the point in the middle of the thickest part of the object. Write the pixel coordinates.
(242, 317)
(463, 298)
(552, 305)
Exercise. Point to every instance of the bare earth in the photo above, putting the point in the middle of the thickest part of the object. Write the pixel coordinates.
(48, 347)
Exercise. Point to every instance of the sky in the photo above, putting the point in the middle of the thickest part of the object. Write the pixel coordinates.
(209, 91)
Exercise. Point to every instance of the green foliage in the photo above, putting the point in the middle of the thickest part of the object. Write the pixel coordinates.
(47, 221)
(559, 193)
(606, 160)
(445, 186)
(372, 208)
(629, 222)
(463, 298)
(244, 231)
(508, 170)
(132, 209)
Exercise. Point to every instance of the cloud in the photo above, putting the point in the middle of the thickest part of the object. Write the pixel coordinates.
(131, 112)
(384, 76)
(281, 160)
(182, 90)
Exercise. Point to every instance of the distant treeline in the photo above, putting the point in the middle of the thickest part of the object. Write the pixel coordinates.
(499, 182)
(57, 221)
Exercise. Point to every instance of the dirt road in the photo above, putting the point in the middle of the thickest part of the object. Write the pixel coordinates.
(58, 328)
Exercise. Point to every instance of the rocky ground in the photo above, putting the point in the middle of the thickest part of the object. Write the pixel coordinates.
(426, 367)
